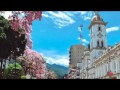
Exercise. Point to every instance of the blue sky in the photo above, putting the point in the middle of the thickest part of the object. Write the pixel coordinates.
(58, 30)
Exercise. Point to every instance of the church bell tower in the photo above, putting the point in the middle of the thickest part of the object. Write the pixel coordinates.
(98, 41)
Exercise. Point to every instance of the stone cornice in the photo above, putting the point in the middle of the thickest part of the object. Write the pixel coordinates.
(107, 56)
(97, 22)
(98, 49)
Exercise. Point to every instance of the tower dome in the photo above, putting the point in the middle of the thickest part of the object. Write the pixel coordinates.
(96, 17)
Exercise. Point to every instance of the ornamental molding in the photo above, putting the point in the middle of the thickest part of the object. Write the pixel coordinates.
(99, 35)
(100, 23)
(110, 55)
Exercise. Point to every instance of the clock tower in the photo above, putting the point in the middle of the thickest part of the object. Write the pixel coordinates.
(98, 41)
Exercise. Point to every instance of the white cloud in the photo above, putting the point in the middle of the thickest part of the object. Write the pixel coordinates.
(86, 15)
(59, 60)
(66, 18)
(87, 18)
(83, 12)
(63, 61)
(52, 57)
(83, 40)
(111, 29)
(73, 13)
(61, 19)
(69, 13)
(45, 15)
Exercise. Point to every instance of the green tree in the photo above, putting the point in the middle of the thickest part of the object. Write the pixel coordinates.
(10, 41)
(10, 73)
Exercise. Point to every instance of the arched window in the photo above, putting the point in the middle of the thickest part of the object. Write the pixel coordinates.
(99, 28)
(97, 43)
(102, 44)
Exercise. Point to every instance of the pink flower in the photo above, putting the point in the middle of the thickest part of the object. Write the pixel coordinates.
(36, 58)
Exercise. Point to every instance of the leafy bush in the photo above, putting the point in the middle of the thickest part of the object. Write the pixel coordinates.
(9, 72)
(23, 77)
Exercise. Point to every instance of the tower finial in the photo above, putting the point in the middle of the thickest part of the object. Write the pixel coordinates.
(96, 12)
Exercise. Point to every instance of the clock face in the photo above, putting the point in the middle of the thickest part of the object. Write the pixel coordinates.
(99, 35)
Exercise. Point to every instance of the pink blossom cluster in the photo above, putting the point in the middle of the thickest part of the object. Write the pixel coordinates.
(38, 64)
(25, 23)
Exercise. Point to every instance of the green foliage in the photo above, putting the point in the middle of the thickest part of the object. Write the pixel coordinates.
(113, 77)
(23, 77)
(9, 72)
(4, 24)
(10, 40)
(2, 34)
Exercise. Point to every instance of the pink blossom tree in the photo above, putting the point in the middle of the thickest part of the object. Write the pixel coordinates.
(38, 69)
(21, 21)
(18, 21)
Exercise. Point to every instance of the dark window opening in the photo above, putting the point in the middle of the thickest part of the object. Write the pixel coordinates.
(102, 44)
(99, 28)
(97, 43)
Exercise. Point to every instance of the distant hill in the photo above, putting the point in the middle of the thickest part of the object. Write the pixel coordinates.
(59, 70)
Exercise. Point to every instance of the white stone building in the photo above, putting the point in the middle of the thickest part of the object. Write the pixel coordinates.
(99, 59)
(85, 63)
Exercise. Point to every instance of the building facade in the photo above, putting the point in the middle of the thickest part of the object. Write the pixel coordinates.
(98, 41)
(100, 59)
(75, 57)
(76, 53)
(85, 63)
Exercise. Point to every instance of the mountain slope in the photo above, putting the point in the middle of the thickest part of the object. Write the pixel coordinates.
(59, 70)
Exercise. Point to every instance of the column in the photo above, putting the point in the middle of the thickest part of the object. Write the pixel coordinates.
(103, 70)
(112, 66)
(117, 66)
(106, 68)
(98, 72)
(109, 66)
